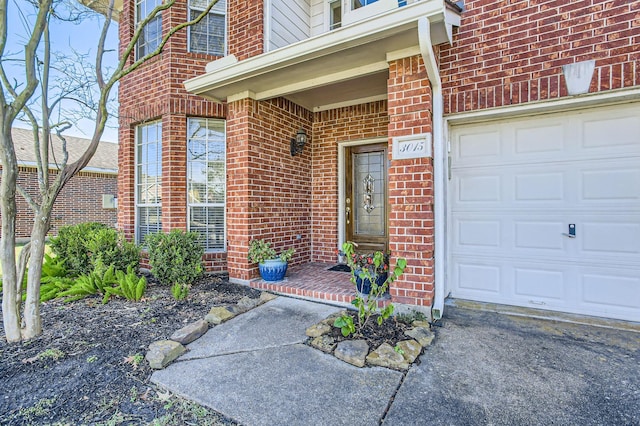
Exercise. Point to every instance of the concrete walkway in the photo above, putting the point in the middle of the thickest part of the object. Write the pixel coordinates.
(483, 368)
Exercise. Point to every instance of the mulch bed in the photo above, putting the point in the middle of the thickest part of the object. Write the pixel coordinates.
(86, 367)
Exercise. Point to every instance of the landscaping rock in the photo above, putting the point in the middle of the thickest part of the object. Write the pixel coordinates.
(423, 335)
(220, 314)
(410, 350)
(191, 332)
(318, 330)
(332, 318)
(386, 356)
(352, 351)
(163, 352)
(247, 303)
(424, 324)
(324, 343)
(266, 296)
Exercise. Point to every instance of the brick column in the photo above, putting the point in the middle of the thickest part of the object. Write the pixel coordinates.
(411, 227)
(239, 116)
(174, 172)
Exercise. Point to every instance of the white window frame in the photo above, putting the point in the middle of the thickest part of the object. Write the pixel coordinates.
(142, 49)
(350, 15)
(137, 183)
(222, 205)
(211, 12)
(329, 11)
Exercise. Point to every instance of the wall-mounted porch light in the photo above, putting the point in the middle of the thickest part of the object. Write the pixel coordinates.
(298, 143)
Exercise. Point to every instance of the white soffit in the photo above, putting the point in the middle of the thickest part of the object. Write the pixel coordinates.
(336, 68)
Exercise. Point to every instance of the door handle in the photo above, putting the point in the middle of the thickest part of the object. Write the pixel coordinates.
(347, 211)
(572, 231)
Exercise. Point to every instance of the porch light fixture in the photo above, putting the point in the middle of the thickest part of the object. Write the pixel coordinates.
(298, 143)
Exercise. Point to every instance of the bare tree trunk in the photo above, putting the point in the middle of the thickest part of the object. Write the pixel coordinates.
(10, 293)
(32, 319)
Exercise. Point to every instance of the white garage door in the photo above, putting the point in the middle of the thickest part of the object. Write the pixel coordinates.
(520, 188)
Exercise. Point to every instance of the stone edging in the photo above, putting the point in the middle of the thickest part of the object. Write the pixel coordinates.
(164, 352)
(357, 352)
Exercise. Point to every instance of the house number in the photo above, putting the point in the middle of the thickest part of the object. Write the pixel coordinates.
(412, 146)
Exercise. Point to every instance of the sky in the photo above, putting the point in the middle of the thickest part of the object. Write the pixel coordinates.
(66, 37)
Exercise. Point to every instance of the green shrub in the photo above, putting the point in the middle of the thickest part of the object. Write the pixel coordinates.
(109, 247)
(71, 244)
(86, 247)
(176, 257)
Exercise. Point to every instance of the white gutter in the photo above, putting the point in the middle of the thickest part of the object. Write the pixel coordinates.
(439, 156)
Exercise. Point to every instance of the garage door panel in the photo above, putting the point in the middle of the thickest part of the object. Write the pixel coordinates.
(611, 238)
(610, 291)
(539, 139)
(611, 133)
(542, 186)
(545, 235)
(540, 284)
(513, 198)
(619, 184)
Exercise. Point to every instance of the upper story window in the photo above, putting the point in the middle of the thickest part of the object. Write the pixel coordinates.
(148, 177)
(357, 4)
(152, 33)
(208, 35)
(206, 181)
(335, 14)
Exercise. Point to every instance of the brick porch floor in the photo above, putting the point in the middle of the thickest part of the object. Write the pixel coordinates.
(312, 281)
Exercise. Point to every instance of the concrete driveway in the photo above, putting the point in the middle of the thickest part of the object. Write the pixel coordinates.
(488, 368)
(483, 368)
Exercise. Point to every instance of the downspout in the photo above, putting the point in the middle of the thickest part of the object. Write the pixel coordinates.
(439, 156)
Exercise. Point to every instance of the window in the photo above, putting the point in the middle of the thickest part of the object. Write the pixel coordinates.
(152, 33)
(206, 181)
(335, 14)
(357, 4)
(208, 35)
(148, 179)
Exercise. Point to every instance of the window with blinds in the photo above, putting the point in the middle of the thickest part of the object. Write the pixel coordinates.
(152, 33)
(148, 179)
(208, 35)
(206, 181)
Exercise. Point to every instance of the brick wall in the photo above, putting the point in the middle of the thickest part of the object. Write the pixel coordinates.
(512, 52)
(79, 201)
(411, 226)
(246, 28)
(156, 91)
(269, 191)
(331, 127)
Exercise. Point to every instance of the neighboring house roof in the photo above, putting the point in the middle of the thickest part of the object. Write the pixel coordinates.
(105, 159)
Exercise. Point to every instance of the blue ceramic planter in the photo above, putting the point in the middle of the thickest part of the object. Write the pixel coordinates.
(364, 285)
(273, 270)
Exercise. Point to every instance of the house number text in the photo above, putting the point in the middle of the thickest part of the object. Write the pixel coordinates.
(412, 146)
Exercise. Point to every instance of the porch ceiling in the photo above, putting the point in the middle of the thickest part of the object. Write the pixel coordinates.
(343, 67)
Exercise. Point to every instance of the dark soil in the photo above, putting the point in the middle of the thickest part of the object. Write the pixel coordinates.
(88, 365)
(391, 331)
(88, 368)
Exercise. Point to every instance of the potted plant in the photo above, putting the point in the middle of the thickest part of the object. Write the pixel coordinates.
(272, 266)
(365, 269)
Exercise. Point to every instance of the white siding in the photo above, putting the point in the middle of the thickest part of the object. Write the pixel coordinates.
(288, 22)
(319, 21)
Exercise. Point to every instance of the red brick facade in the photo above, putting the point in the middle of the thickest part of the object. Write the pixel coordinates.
(508, 53)
(504, 53)
(79, 201)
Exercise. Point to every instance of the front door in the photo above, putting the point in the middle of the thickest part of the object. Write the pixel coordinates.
(366, 201)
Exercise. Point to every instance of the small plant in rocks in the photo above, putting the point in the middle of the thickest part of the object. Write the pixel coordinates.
(367, 304)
